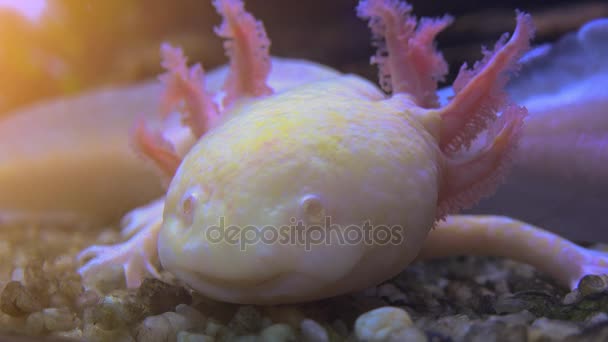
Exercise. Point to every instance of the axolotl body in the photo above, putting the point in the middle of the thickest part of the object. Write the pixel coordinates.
(334, 148)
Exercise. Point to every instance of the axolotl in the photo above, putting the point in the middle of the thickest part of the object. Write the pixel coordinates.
(269, 150)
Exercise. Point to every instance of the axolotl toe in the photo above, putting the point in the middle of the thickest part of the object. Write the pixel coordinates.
(291, 194)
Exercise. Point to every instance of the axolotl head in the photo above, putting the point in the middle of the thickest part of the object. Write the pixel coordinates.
(300, 192)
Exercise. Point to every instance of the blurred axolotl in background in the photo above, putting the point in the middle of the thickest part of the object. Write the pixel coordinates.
(287, 141)
(559, 177)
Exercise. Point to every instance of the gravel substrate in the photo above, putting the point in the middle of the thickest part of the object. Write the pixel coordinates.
(455, 299)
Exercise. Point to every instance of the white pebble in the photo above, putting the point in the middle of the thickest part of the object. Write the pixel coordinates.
(194, 316)
(213, 328)
(313, 331)
(184, 336)
(381, 323)
(392, 293)
(162, 327)
(35, 323)
(553, 329)
(410, 334)
(59, 319)
(278, 333)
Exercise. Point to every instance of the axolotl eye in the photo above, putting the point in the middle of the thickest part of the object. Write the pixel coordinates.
(188, 204)
(311, 209)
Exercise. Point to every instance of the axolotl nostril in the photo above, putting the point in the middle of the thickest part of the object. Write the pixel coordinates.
(258, 172)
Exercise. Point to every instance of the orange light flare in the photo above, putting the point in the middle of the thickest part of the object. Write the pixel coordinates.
(31, 9)
(25, 65)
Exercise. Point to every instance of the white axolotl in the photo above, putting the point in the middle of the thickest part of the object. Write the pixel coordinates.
(303, 145)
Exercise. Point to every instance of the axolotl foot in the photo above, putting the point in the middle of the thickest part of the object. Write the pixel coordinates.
(502, 236)
(588, 261)
(137, 256)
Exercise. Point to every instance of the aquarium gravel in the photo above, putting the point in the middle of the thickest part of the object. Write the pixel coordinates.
(455, 299)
